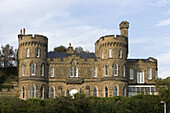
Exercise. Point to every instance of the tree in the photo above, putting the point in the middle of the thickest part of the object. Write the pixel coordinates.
(7, 56)
(60, 49)
(163, 87)
(80, 50)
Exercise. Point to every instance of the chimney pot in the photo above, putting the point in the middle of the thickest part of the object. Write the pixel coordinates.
(23, 31)
(69, 44)
(20, 31)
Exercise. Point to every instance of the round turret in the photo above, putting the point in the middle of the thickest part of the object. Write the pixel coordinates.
(32, 65)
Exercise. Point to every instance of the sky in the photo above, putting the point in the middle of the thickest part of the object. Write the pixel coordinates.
(82, 22)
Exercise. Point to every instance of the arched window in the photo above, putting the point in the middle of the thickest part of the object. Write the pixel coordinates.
(95, 91)
(32, 69)
(106, 91)
(52, 71)
(140, 77)
(23, 70)
(42, 70)
(106, 70)
(115, 66)
(124, 91)
(37, 52)
(32, 92)
(75, 72)
(131, 74)
(110, 53)
(94, 72)
(28, 52)
(45, 54)
(102, 54)
(52, 92)
(149, 73)
(120, 53)
(115, 91)
(124, 71)
(23, 92)
(71, 72)
(42, 91)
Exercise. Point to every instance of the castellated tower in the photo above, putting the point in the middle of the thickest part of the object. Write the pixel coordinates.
(33, 68)
(113, 52)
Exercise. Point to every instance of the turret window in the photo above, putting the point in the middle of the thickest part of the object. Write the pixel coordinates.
(52, 71)
(23, 70)
(124, 70)
(131, 74)
(32, 69)
(115, 72)
(42, 70)
(23, 92)
(106, 70)
(42, 91)
(37, 52)
(32, 92)
(120, 53)
(94, 72)
(102, 54)
(140, 77)
(95, 91)
(115, 91)
(110, 53)
(28, 52)
(106, 91)
(149, 73)
(52, 92)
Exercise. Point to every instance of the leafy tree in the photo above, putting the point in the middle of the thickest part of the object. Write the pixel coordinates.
(163, 87)
(7, 56)
(80, 50)
(60, 49)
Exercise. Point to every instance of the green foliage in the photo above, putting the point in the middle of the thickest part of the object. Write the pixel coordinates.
(163, 87)
(60, 49)
(83, 104)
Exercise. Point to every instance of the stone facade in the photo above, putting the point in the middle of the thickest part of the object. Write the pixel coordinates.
(105, 73)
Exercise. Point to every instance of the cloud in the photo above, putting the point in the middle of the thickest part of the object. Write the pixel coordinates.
(159, 3)
(163, 23)
(164, 63)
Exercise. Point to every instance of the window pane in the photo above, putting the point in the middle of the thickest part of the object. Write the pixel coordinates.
(52, 72)
(106, 91)
(71, 72)
(106, 70)
(94, 72)
(131, 74)
(115, 70)
(51, 92)
(94, 91)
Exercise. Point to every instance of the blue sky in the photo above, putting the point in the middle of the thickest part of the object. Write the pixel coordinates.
(82, 22)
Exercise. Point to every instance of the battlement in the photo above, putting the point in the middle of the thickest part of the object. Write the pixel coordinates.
(111, 38)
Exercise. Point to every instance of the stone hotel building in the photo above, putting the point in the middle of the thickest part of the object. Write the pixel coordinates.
(107, 72)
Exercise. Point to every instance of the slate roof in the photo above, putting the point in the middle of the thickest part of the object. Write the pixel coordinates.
(135, 60)
(52, 55)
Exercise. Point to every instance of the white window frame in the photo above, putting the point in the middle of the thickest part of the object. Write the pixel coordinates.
(131, 72)
(95, 91)
(120, 53)
(149, 73)
(23, 70)
(115, 91)
(94, 72)
(124, 70)
(42, 70)
(52, 71)
(33, 67)
(32, 91)
(102, 54)
(106, 70)
(115, 69)
(52, 94)
(110, 53)
(37, 52)
(106, 91)
(27, 52)
(23, 92)
(140, 77)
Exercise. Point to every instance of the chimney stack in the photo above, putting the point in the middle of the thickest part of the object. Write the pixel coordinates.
(23, 31)
(20, 31)
(69, 44)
